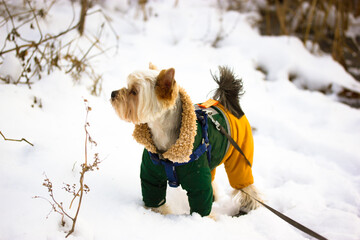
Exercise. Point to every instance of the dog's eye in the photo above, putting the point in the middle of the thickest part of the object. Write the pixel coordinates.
(133, 92)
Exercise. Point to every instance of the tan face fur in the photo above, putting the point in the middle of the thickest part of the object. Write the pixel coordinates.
(148, 96)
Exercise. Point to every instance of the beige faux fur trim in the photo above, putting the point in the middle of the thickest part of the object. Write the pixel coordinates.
(182, 149)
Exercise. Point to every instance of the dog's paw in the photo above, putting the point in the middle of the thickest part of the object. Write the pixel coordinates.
(245, 199)
(163, 209)
(212, 216)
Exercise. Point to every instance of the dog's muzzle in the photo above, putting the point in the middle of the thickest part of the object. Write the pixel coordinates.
(114, 94)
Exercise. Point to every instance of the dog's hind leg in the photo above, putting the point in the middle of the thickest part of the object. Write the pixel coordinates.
(245, 199)
(215, 191)
(214, 185)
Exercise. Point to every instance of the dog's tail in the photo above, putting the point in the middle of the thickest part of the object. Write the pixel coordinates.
(230, 90)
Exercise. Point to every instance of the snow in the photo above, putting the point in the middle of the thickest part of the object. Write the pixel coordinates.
(307, 159)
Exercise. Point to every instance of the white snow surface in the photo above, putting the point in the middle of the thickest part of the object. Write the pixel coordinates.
(307, 157)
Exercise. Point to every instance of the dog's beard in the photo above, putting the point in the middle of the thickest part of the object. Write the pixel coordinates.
(138, 109)
(125, 106)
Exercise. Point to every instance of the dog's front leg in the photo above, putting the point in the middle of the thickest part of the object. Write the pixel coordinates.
(200, 200)
(153, 185)
(199, 192)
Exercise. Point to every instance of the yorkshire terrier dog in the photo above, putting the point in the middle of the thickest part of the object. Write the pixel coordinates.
(183, 144)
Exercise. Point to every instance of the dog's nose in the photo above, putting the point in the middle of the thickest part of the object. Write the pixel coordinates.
(113, 94)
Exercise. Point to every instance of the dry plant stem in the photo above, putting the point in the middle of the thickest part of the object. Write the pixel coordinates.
(82, 59)
(35, 45)
(75, 195)
(56, 206)
(84, 8)
(142, 4)
(338, 42)
(15, 140)
(280, 11)
(8, 12)
(36, 20)
(308, 26)
(108, 21)
(79, 205)
(41, 40)
(85, 168)
(268, 20)
(319, 34)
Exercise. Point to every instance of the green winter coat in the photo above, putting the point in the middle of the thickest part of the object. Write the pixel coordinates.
(194, 177)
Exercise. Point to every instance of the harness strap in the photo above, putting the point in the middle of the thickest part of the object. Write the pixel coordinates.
(169, 166)
(205, 146)
(202, 117)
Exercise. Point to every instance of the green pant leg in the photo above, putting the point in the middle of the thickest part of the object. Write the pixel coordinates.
(153, 182)
(195, 178)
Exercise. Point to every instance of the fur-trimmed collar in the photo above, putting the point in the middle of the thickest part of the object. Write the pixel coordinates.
(182, 149)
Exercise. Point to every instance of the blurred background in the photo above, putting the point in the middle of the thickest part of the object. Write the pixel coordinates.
(324, 26)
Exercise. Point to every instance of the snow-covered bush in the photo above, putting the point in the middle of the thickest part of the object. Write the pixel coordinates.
(34, 41)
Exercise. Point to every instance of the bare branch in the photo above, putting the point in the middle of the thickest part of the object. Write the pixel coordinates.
(36, 20)
(35, 45)
(15, 140)
(72, 189)
(84, 8)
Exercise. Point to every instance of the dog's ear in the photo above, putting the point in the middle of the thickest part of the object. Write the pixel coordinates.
(152, 66)
(165, 84)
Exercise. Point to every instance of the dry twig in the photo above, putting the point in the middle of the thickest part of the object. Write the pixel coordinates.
(15, 140)
(77, 192)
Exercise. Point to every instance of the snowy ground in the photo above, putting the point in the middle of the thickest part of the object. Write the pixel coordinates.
(307, 157)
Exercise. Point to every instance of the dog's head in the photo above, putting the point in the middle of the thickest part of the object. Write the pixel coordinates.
(149, 94)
